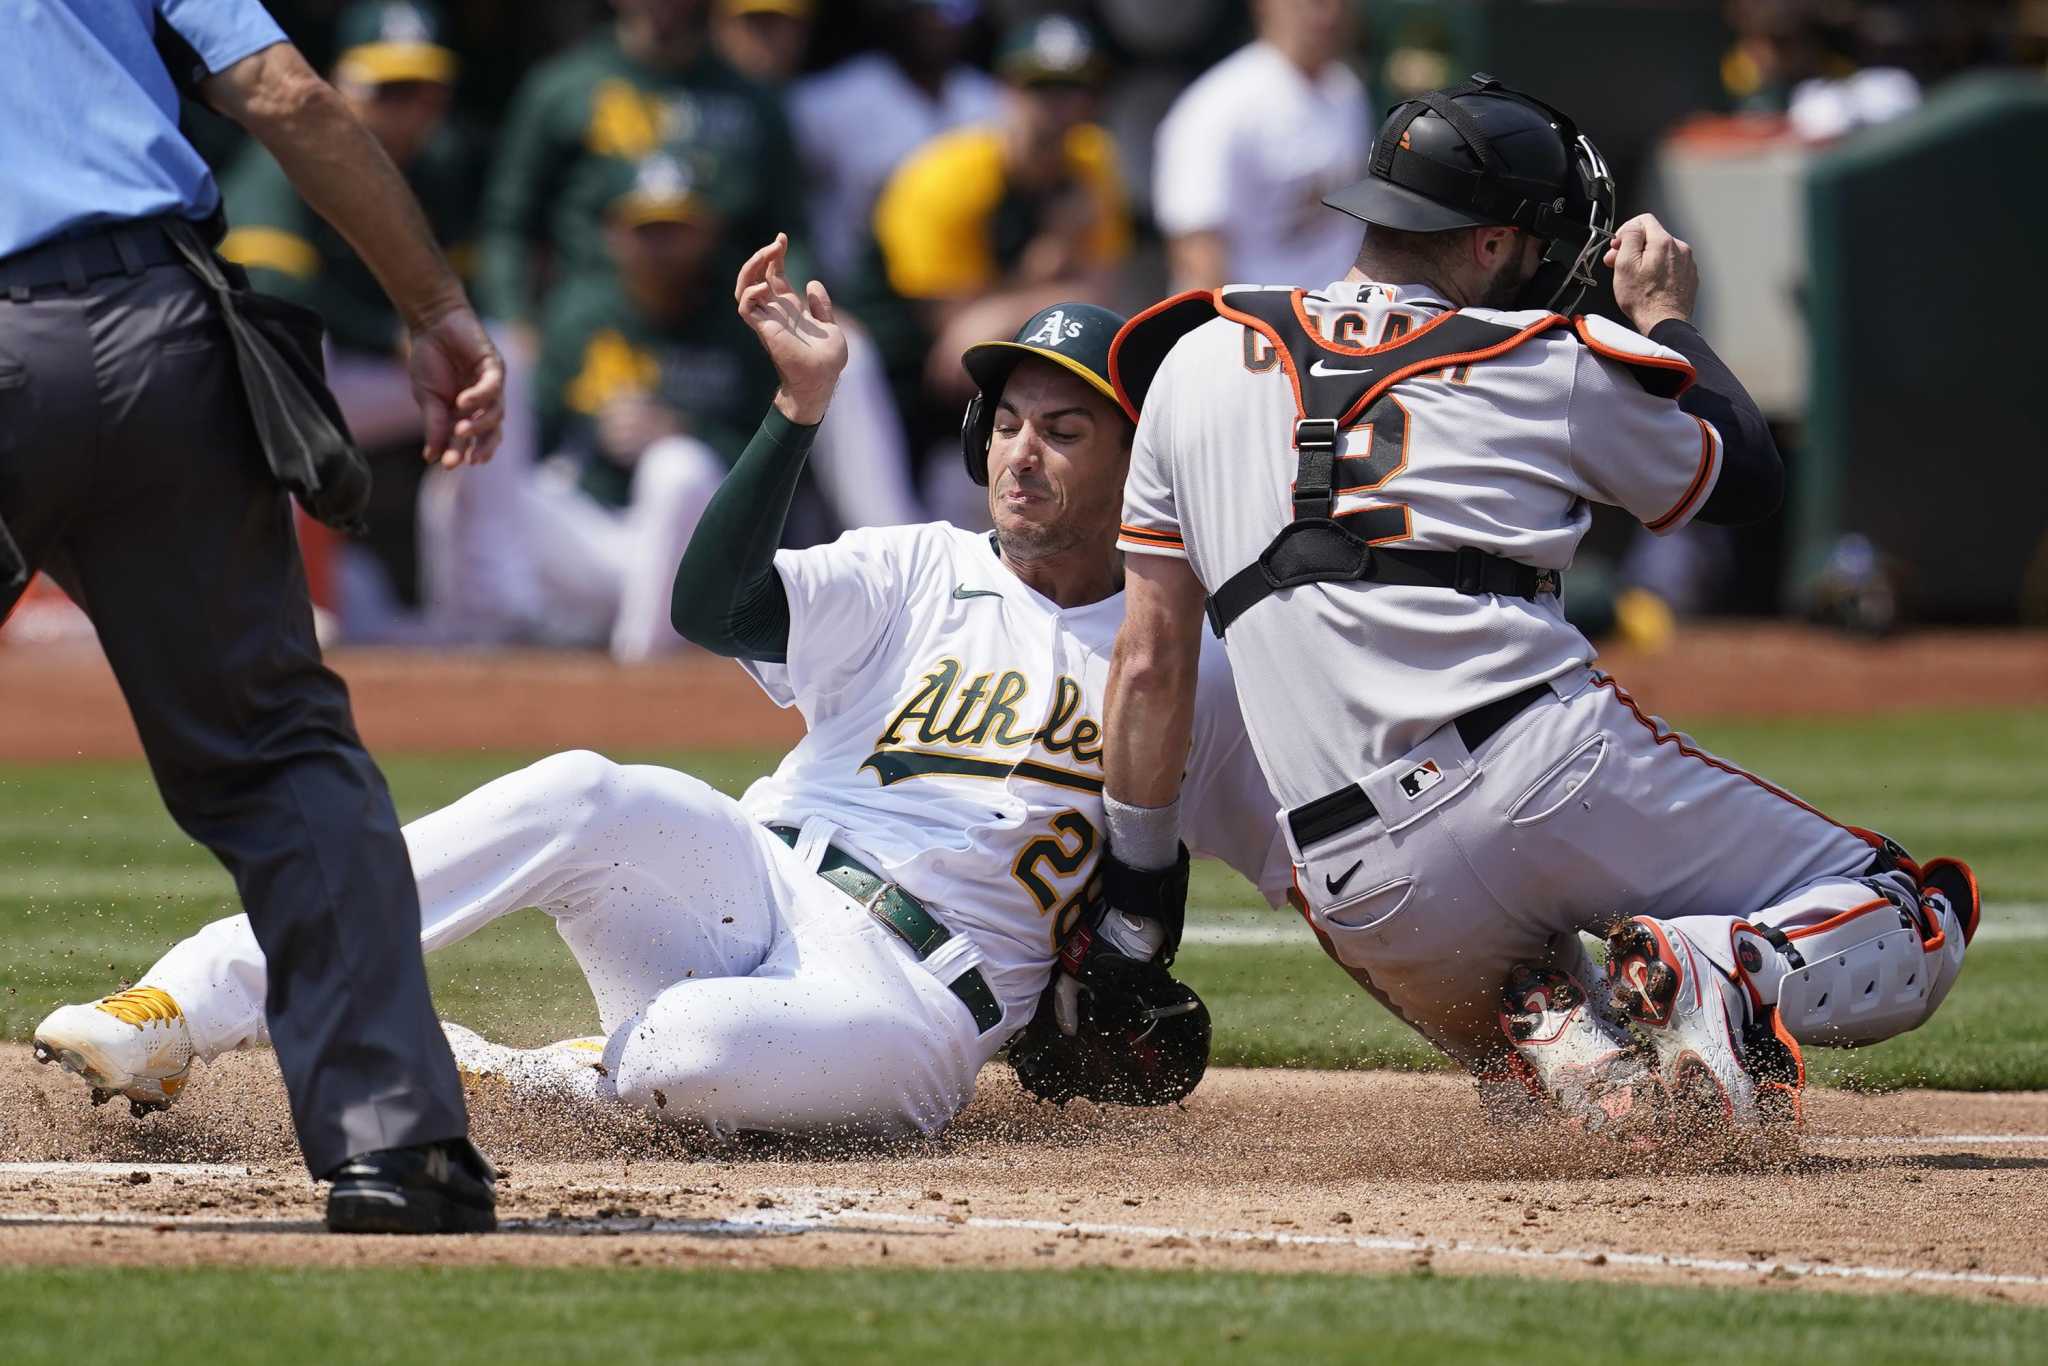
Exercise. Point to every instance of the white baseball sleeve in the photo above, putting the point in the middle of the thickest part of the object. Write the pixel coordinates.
(1151, 518)
(843, 597)
(1634, 449)
(1227, 810)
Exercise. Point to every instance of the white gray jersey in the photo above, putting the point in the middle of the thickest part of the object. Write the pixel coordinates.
(955, 741)
(1504, 455)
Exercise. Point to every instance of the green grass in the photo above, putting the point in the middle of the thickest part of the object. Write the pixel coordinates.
(95, 882)
(619, 1317)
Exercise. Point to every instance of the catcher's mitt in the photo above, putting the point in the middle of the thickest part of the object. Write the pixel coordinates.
(1143, 1040)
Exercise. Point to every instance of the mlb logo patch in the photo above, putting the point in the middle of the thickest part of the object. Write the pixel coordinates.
(1421, 779)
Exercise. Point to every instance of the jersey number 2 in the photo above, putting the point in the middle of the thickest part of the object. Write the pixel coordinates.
(1065, 852)
(1383, 429)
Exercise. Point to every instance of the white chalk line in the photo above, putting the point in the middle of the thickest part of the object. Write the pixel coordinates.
(819, 1208)
(1924, 1140)
(123, 1169)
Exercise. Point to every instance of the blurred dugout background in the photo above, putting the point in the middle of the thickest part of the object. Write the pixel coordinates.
(1862, 182)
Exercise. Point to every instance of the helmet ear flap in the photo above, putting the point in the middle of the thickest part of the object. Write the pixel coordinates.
(977, 425)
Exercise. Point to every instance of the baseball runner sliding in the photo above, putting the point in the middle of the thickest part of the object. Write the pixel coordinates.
(844, 947)
(1371, 493)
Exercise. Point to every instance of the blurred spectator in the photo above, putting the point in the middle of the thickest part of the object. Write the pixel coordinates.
(763, 40)
(397, 76)
(856, 122)
(861, 459)
(1248, 151)
(986, 225)
(647, 386)
(649, 81)
(1776, 47)
(1884, 40)
(397, 79)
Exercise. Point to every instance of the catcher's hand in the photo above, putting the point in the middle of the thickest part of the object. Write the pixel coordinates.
(1128, 944)
(1146, 1042)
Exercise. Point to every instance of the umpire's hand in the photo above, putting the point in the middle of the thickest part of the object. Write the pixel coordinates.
(340, 168)
(459, 380)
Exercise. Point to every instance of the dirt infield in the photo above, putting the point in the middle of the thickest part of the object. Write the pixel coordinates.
(62, 702)
(1261, 1170)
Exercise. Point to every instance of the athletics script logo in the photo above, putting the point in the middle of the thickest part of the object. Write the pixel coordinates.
(953, 721)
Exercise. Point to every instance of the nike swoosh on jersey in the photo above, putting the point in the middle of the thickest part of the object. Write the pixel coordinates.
(1323, 370)
(963, 592)
(1338, 884)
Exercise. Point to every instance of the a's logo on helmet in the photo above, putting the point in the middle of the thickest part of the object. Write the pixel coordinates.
(1054, 330)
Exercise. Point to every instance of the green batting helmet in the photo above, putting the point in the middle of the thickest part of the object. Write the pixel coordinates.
(1072, 336)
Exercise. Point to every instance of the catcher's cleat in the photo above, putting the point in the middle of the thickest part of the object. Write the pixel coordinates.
(1726, 1062)
(1569, 1052)
(1948, 884)
(134, 1044)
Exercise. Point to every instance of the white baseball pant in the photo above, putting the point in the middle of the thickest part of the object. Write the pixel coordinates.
(737, 990)
(1580, 813)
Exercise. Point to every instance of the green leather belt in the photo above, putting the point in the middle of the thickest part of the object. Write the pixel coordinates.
(907, 918)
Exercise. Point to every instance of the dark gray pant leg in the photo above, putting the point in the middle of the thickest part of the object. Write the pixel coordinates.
(184, 556)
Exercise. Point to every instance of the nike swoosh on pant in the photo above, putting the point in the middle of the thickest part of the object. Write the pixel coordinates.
(1338, 884)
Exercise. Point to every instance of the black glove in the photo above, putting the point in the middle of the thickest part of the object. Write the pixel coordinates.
(1144, 1042)
(1126, 942)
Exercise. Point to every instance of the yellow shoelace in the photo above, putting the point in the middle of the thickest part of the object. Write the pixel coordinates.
(140, 1005)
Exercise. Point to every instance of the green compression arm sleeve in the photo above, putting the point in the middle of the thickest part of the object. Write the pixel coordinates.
(728, 597)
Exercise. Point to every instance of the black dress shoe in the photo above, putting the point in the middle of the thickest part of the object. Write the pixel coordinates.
(432, 1188)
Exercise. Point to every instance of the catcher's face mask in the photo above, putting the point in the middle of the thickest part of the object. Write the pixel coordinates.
(1580, 240)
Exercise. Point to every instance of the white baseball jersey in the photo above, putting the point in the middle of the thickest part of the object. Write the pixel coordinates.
(955, 746)
(1504, 455)
(854, 125)
(1250, 149)
(955, 739)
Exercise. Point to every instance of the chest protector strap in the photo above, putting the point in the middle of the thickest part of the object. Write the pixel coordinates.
(1333, 386)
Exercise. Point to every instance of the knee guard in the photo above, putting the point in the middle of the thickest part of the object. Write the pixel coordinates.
(1876, 971)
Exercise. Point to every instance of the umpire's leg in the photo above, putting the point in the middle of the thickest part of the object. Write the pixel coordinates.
(185, 559)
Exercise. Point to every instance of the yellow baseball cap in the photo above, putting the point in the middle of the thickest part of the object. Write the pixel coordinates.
(392, 40)
(795, 9)
(662, 188)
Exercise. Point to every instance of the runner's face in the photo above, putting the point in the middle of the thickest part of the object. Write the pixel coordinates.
(1056, 462)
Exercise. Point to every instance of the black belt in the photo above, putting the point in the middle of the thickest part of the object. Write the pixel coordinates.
(1338, 811)
(907, 918)
(74, 262)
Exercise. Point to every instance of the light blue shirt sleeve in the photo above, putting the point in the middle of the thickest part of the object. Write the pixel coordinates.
(222, 32)
(89, 116)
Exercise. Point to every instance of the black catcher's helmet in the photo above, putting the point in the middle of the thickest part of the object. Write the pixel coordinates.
(1480, 153)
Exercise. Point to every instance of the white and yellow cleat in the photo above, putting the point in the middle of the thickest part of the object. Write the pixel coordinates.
(572, 1068)
(134, 1043)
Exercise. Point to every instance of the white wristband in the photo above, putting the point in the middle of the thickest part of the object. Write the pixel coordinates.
(1143, 836)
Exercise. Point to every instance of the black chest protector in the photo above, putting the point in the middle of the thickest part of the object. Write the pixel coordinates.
(1334, 385)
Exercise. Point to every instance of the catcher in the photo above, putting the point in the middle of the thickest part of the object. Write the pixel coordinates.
(844, 947)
